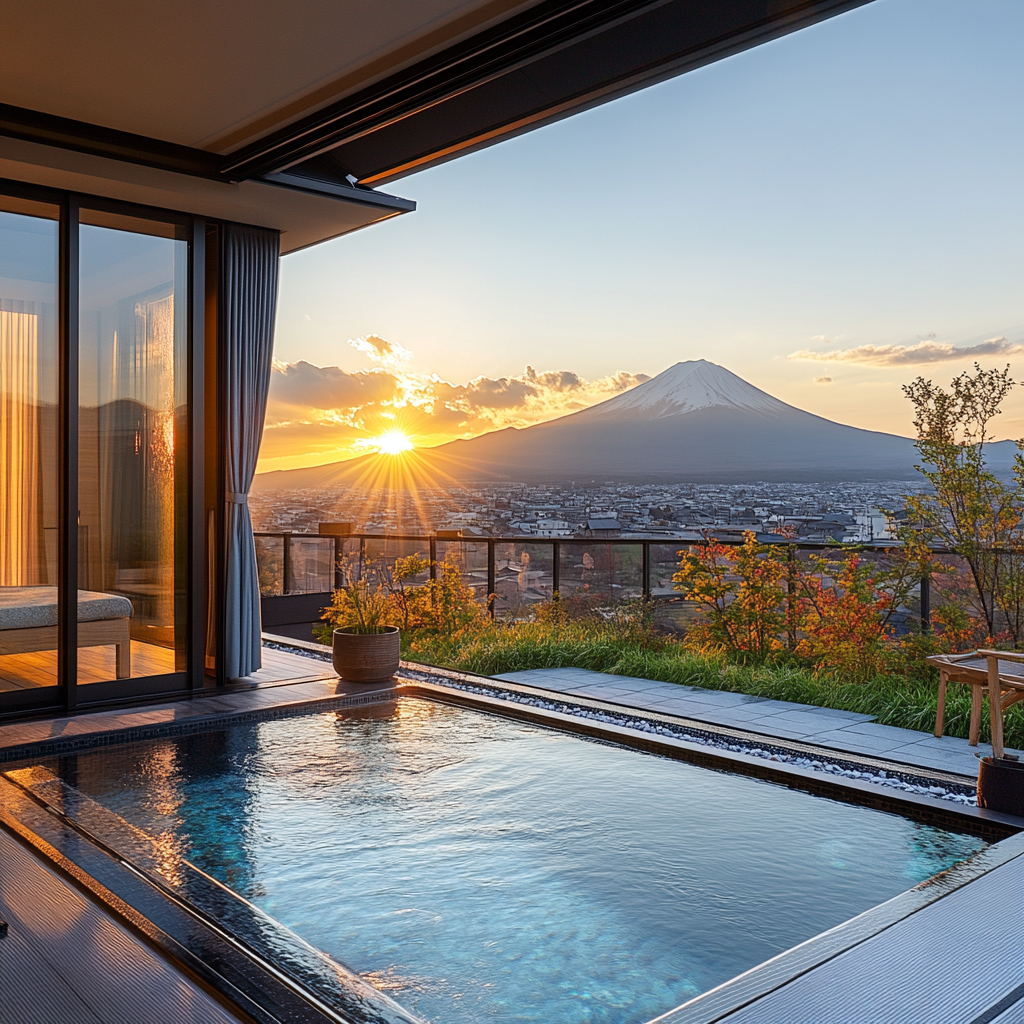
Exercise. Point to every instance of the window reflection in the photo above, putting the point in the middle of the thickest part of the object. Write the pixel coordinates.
(28, 447)
(131, 450)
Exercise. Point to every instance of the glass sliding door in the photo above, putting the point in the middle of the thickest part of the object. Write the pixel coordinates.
(28, 453)
(132, 459)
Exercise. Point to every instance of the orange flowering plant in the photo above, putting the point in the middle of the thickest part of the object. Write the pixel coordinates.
(740, 591)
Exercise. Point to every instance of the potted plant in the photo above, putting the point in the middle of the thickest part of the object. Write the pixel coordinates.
(366, 647)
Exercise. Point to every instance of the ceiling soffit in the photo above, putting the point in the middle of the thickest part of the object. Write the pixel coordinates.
(532, 65)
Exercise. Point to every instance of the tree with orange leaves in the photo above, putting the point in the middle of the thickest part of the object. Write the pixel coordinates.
(740, 591)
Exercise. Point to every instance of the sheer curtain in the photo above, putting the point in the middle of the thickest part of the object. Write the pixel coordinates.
(248, 303)
(22, 545)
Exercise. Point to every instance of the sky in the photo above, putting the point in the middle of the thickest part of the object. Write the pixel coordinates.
(828, 215)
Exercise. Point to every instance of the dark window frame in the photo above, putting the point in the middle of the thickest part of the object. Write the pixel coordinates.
(68, 695)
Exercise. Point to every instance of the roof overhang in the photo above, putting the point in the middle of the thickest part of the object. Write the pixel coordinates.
(291, 126)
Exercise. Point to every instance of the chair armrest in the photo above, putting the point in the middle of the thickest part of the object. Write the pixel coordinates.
(952, 659)
(1002, 655)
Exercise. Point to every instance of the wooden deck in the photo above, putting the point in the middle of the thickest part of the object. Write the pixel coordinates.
(285, 679)
(65, 961)
(95, 665)
(287, 667)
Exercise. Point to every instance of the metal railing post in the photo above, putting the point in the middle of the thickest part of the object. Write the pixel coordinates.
(926, 604)
(556, 570)
(791, 597)
(432, 555)
(490, 576)
(645, 563)
(286, 562)
(339, 575)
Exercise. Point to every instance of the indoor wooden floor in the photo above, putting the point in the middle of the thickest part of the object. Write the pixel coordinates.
(95, 665)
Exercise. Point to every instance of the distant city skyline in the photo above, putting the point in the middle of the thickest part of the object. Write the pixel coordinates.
(828, 216)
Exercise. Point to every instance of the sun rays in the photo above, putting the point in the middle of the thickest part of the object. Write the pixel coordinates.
(415, 483)
(394, 442)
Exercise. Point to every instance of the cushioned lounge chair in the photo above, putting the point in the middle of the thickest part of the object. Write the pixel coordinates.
(28, 622)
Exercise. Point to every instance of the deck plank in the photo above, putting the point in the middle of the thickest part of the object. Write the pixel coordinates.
(65, 961)
(951, 961)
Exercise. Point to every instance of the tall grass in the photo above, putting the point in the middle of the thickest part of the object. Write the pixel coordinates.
(627, 650)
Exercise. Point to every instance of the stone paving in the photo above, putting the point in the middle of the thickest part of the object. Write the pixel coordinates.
(844, 731)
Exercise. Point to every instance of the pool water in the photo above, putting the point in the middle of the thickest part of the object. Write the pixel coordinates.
(477, 868)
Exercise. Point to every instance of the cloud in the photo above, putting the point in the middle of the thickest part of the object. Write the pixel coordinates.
(302, 385)
(822, 380)
(910, 355)
(502, 393)
(328, 411)
(386, 353)
(824, 339)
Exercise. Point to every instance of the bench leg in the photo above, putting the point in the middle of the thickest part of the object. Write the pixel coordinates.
(940, 710)
(124, 659)
(995, 706)
(975, 715)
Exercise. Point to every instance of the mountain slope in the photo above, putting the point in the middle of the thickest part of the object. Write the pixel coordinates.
(695, 422)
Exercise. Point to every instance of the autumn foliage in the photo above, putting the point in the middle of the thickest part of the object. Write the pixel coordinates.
(833, 612)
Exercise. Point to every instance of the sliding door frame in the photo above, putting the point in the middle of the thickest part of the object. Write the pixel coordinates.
(71, 695)
(68, 279)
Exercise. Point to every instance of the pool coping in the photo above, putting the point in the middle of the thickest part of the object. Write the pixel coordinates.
(704, 1009)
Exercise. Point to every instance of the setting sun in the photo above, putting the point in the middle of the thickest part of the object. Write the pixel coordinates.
(394, 442)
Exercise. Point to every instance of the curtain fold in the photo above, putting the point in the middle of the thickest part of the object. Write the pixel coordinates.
(248, 302)
(21, 528)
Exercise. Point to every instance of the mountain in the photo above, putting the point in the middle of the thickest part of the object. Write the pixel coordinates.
(695, 422)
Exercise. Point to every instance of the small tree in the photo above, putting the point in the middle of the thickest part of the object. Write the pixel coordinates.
(970, 512)
(740, 590)
(847, 607)
(395, 581)
(445, 604)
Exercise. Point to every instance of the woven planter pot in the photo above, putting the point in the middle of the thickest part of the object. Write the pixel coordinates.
(367, 657)
(1001, 785)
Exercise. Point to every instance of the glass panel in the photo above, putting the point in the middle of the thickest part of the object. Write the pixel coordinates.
(369, 556)
(28, 449)
(523, 577)
(270, 564)
(471, 557)
(131, 458)
(310, 565)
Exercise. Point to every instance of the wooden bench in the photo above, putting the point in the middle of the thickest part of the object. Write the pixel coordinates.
(1000, 674)
(28, 622)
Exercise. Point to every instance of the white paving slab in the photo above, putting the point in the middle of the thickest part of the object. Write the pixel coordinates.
(827, 727)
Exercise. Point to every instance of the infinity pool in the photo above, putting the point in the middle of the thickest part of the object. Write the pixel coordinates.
(482, 869)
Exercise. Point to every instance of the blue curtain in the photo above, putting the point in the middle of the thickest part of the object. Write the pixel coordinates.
(248, 302)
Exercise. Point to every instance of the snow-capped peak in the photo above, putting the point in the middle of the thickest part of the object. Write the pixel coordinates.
(694, 384)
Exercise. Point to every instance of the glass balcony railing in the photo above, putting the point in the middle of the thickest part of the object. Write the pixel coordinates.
(511, 575)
